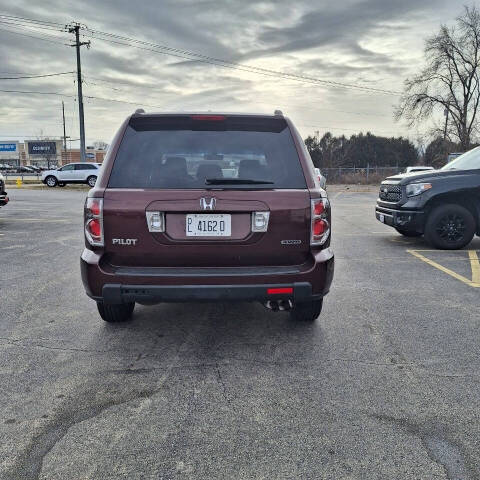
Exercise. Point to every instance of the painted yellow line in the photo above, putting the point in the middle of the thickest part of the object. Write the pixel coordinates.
(472, 254)
(472, 283)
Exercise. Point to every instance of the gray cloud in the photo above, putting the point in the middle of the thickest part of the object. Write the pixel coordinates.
(370, 42)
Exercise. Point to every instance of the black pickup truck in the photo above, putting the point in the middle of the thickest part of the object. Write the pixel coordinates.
(443, 205)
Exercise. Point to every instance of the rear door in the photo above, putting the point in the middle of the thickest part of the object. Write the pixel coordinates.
(67, 173)
(198, 174)
(83, 171)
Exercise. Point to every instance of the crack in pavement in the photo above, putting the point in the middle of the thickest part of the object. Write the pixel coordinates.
(28, 465)
(444, 452)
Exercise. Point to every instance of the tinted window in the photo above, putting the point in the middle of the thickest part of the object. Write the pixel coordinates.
(181, 152)
(85, 167)
(67, 168)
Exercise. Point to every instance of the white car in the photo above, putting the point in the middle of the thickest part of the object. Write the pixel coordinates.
(84, 172)
(321, 179)
(418, 169)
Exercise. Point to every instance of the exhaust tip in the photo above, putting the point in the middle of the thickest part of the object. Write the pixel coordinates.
(278, 305)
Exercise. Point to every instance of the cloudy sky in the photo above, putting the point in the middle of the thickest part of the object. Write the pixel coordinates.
(367, 43)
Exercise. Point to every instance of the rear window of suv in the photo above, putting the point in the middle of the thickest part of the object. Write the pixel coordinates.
(207, 151)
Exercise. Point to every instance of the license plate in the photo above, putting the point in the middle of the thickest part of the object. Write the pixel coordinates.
(381, 218)
(208, 225)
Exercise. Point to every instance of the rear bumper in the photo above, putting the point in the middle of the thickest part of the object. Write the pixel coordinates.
(114, 293)
(4, 198)
(412, 220)
(216, 284)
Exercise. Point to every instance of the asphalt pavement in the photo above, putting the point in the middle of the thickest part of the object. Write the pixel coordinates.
(384, 385)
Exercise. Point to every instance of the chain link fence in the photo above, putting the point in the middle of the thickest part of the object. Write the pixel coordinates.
(356, 175)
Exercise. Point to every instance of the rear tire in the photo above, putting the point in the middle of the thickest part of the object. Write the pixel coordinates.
(408, 233)
(450, 227)
(307, 311)
(91, 181)
(114, 313)
(51, 181)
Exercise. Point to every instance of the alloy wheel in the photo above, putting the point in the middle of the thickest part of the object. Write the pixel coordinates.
(451, 227)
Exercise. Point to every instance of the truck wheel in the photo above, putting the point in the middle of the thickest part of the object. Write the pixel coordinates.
(91, 181)
(51, 181)
(307, 311)
(408, 233)
(449, 227)
(115, 313)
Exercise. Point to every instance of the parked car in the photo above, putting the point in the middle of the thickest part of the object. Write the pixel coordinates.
(23, 169)
(82, 172)
(36, 169)
(3, 194)
(321, 179)
(418, 169)
(163, 224)
(443, 205)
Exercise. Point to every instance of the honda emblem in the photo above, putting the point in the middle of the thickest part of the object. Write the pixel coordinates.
(208, 203)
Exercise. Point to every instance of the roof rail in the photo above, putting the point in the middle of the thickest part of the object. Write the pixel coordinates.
(139, 111)
(278, 113)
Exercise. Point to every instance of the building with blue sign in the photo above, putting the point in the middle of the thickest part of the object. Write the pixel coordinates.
(9, 152)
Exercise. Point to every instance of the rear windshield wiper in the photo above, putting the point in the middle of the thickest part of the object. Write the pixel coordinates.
(235, 181)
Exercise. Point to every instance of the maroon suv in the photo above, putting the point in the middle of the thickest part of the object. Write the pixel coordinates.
(207, 207)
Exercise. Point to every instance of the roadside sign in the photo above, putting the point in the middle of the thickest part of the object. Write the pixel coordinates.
(42, 148)
(8, 147)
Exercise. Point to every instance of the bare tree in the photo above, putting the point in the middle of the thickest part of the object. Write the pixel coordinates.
(100, 145)
(449, 83)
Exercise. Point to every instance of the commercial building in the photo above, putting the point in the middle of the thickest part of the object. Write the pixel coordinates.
(9, 152)
(43, 153)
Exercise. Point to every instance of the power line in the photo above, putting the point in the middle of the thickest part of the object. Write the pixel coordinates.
(30, 136)
(34, 36)
(38, 93)
(186, 54)
(26, 26)
(36, 76)
(138, 104)
(30, 20)
(194, 56)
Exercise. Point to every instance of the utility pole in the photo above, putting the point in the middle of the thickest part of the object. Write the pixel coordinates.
(75, 28)
(64, 132)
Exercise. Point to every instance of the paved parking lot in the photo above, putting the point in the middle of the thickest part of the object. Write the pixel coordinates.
(384, 385)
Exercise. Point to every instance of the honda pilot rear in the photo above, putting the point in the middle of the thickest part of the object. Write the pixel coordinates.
(207, 207)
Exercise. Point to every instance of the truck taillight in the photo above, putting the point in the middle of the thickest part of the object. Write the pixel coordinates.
(94, 221)
(320, 228)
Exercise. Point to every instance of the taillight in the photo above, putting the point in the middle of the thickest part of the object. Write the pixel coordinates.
(94, 221)
(320, 228)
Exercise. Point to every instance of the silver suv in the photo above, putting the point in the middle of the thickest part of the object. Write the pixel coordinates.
(84, 172)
